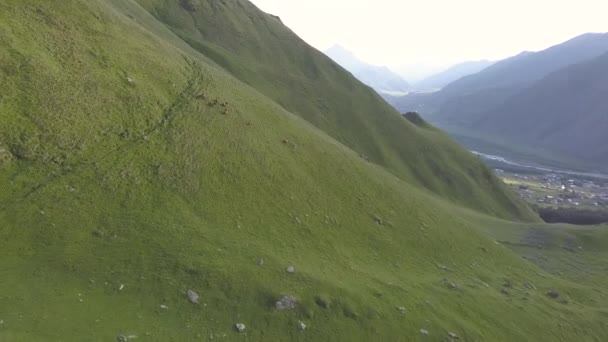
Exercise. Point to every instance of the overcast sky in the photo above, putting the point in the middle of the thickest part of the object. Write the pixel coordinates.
(433, 33)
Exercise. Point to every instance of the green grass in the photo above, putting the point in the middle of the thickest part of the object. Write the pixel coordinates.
(259, 50)
(152, 185)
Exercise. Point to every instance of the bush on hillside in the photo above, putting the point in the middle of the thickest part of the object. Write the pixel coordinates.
(572, 215)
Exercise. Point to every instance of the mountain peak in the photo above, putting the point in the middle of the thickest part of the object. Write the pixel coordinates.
(381, 78)
(342, 55)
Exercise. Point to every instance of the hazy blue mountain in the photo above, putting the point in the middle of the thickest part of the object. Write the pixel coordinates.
(381, 78)
(443, 78)
(469, 98)
(521, 98)
(565, 113)
(528, 67)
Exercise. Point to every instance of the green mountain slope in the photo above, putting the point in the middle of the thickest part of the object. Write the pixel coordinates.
(133, 169)
(259, 50)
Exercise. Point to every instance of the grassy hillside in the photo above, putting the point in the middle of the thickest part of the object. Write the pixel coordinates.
(259, 50)
(133, 170)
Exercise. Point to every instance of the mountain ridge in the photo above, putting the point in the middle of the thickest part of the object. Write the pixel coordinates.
(341, 105)
(381, 78)
(453, 73)
(462, 106)
(551, 114)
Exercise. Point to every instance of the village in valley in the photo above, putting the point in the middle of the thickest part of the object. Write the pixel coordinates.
(558, 190)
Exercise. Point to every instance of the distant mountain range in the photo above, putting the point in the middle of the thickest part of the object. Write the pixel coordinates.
(381, 78)
(566, 113)
(545, 106)
(441, 79)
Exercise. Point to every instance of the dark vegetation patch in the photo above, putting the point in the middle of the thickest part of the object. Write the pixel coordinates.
(416, 119)
(572, 215)
(187, 5)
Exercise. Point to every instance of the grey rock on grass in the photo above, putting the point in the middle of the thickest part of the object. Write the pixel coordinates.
(450, 284)
(286, 303)
(192, 296)
(240, 327)
(452, 336)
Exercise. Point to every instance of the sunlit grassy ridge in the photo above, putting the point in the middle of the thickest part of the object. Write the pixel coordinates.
(133, 169)
(259, 50)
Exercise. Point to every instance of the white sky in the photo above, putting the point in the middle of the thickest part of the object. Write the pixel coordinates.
(435, 33)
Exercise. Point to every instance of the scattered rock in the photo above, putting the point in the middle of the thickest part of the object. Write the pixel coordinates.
(453, 336)
(443, 267)
(378, 220)
(130, 80)
(121, 338)
(192, 297)
(450, 284)
(122, 286)
(164, 307)
(261, 262)
(302, 325)
(424, 331)
(291, 269)
(285, 141)
(286, 303)
(530, 286)
(553, 294)
(402, 310)
(240, 327)
(483, 283)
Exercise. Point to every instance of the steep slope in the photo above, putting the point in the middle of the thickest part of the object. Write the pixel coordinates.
(259, 50)
(468, 99)
(134, 169)
(380, 78)
(452, 74)
(566, 113)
